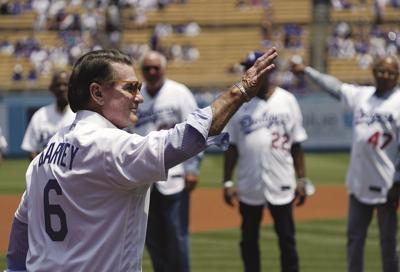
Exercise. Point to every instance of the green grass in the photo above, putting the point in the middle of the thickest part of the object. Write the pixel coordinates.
(322, 168)
(321, 246)
(12, 176)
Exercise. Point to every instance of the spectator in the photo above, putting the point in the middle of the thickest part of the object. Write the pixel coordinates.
(32, 75)
(18, 72)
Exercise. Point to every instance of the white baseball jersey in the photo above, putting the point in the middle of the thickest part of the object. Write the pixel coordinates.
(3, 142)
(79, 186)
(376, 123)
(44, 123)
(263, 132)
(170, 106)
(86, 199)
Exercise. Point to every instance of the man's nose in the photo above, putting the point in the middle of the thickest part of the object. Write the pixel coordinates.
(139, 97)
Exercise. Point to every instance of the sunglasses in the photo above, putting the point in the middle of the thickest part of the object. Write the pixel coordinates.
(131, 86)
(147, 68)
(390, 74)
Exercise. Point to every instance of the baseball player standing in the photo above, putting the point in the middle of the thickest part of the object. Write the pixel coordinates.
(374, 150)
(86, 202)
(167, 103)
(268, 130)
(46, 121)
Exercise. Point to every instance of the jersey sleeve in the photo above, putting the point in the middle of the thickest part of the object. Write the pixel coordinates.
(22, 211)
(134, 159)
(350, 94)
(30, 143)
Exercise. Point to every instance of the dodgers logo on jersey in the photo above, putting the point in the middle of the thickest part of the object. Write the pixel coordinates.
(248, 124)
(165, 114)
(369, 118)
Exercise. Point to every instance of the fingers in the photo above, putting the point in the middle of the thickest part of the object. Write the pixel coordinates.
(300, 200)
(190, 186)
(191, 182)
(300, 195)
(254, 76)
(229, 197)
(264, 63)
(228, 200)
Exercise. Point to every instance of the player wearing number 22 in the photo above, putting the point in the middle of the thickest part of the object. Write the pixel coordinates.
(265, 139)
(371, 178)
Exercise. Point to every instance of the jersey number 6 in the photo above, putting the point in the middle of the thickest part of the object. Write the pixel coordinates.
(55, 210)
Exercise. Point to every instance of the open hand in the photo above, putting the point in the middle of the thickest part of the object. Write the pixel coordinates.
(255, 75)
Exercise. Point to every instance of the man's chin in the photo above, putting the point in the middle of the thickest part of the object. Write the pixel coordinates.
(133, 120)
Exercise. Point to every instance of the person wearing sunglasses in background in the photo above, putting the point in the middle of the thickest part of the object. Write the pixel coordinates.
(371, 181)
(167, 103)
(85, 206)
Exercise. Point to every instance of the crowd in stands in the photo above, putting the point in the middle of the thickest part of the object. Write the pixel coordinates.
(177, 52)
(87, 25)
(288, 37)
(94, 24)
(347, 4)
(378, 7)
(363, 42)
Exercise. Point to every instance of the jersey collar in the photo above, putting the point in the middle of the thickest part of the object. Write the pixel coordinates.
(93, 118)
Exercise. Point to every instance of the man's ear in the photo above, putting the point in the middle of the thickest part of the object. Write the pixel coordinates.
(96, 90)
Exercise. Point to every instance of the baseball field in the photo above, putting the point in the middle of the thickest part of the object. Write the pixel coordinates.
(321, 223)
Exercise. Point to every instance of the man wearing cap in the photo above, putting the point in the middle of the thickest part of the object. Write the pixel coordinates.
(269, 130)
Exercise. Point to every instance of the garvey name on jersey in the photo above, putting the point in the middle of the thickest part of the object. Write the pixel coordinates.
(58, 155)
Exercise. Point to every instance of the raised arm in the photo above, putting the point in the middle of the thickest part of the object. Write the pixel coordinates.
(229, 102)
(193, 136)
(327, 83)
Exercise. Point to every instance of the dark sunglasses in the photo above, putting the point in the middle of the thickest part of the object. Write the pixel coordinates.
(147, 68)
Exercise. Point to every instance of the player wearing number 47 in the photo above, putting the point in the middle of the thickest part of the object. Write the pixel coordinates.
(371, 180)
(86, 201)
